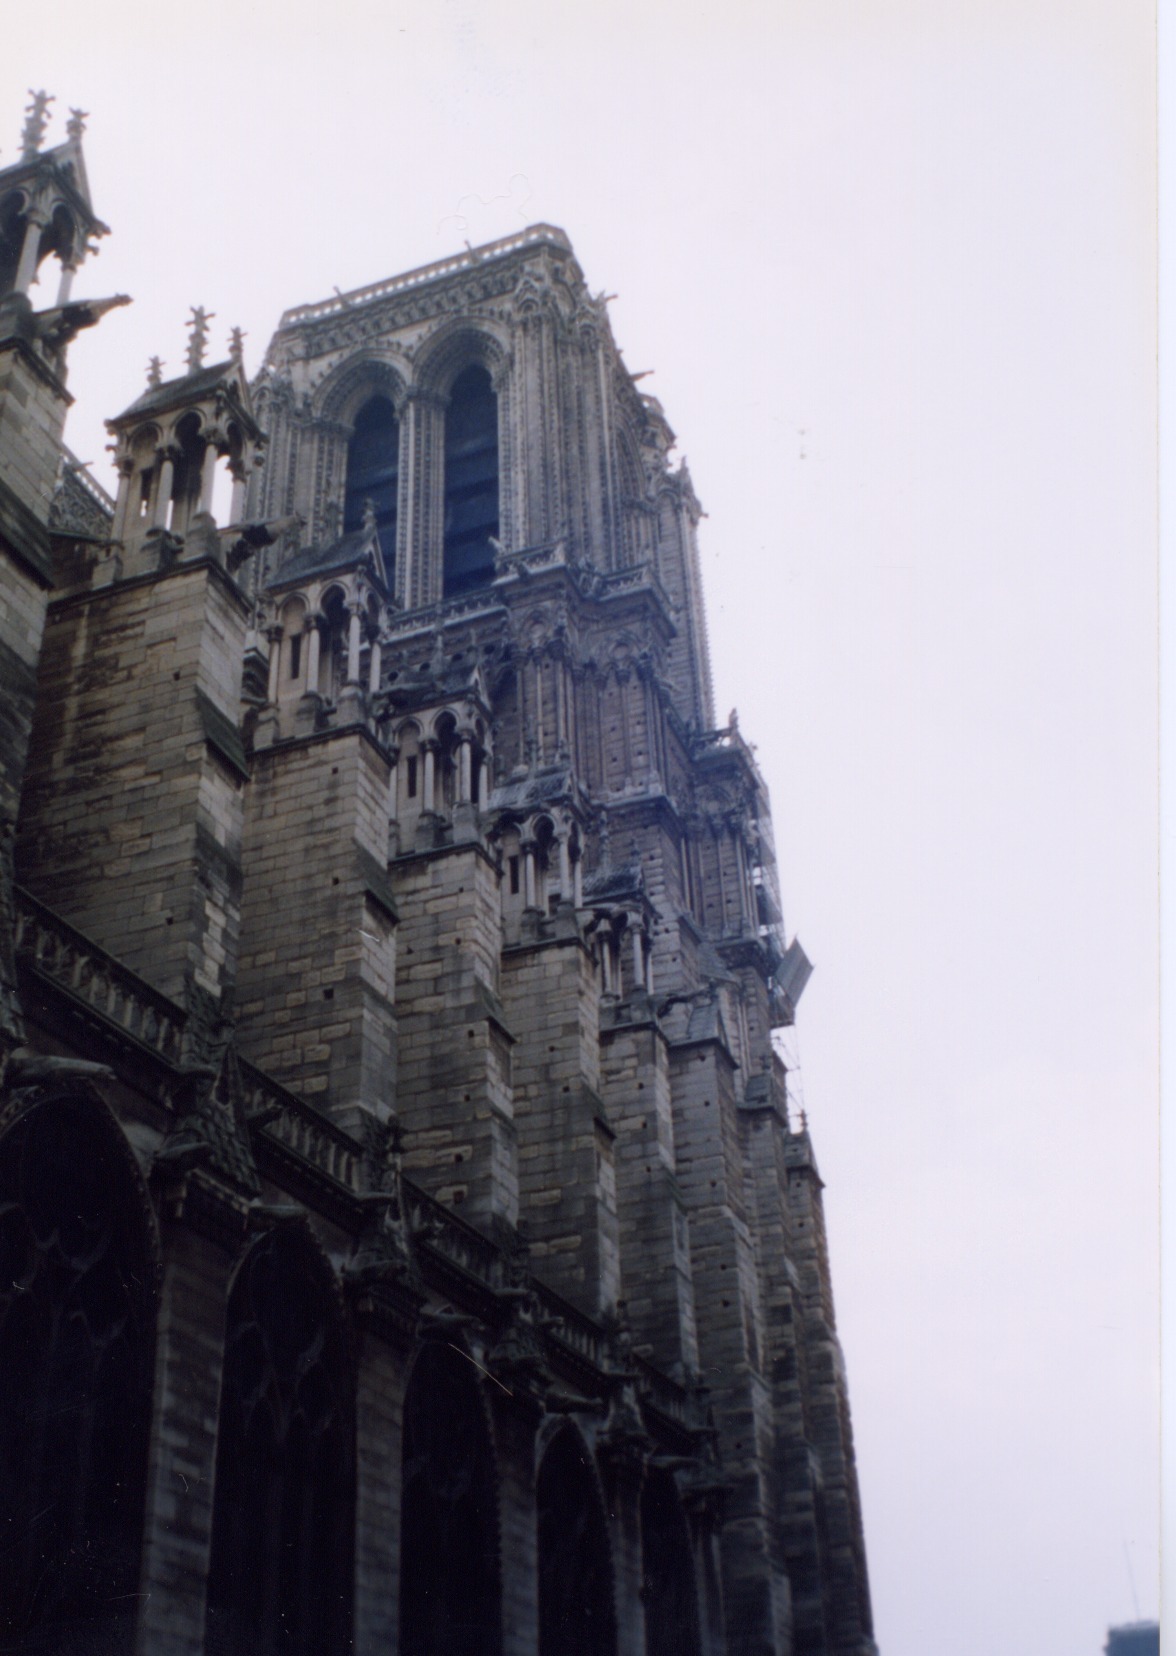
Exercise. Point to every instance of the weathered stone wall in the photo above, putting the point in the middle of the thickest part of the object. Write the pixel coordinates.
(316, 985)
(134, 801)
(455, 1096)
(567, 1175)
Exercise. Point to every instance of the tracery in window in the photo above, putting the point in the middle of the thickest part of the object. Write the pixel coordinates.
(76, 1340)
(576, 1616)
(283, 1510)
(450, 1594)
(471, 482)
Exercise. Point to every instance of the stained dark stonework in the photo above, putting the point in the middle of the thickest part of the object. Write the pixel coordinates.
(411, 1244)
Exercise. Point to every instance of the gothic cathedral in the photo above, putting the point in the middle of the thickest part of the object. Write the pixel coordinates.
(407, 1246)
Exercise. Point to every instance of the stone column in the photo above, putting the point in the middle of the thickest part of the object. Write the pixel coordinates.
(353, 642)
(274, 634)
(237, 500)
(638, 958)
(374, 666)
(529, 874)
(27, 267)
(163, 489)
(208, 476)
(122, 512)
(565, 870)
(177, 1528)
(313, 644)
(464, 771)
(428, 800)
(65, 285)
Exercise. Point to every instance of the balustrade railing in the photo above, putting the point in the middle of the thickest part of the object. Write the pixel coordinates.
(300, 1127)
(71, 961)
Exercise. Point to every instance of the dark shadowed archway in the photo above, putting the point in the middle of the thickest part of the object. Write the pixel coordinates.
(450, 1592)
(671, 1604)
(576, 1615)
(284, 1504)
(77, 1309)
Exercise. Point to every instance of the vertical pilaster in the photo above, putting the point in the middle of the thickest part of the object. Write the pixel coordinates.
(177, 1527)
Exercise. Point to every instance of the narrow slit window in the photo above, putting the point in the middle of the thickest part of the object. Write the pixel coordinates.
(513, 866)
(411, 776)
(295, 655)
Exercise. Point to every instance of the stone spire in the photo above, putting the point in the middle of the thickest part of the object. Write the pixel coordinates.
(36, 120)
(236, 345)
(76, 125)
(155, 373)
(198, 337)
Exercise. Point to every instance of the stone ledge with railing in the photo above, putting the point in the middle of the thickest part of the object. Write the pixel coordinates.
(64, 957)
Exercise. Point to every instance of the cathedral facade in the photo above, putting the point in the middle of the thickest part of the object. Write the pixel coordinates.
(407, 1243)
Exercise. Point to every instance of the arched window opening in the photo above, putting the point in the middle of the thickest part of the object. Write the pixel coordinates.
(544, 861)
(280, 1572)
(471, 482)
(576, 1616)
(450, 1592)
(76, 1343)
(334, 645)
(189, 466)
(671, 1604)
(373, 471)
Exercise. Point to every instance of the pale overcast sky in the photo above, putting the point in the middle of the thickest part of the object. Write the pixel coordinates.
(893, 266)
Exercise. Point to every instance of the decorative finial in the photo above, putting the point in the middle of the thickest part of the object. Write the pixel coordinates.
(76, 124)
(198, 337)
(155, 373)
(236, 345)
(37, 120)
(369, 516)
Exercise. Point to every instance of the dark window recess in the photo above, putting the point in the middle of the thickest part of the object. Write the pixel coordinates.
(373, 471)
(513, 864)
(281, 1567)
(295, 655)
(575, 1576)
(471, 483)
(76, 1335)
(450, 1591)
(668, 1592)
(411, 776)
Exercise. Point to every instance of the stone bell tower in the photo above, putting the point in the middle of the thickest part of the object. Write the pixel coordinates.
(488, 664)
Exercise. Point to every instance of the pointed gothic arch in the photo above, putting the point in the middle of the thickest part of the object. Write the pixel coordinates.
(576, 1606)
(450, 1573)
(667, 1567)
(79, 1266)
(280, 1575)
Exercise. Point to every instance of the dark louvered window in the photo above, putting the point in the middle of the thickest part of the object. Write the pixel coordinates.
(373, 471)
(471, 482)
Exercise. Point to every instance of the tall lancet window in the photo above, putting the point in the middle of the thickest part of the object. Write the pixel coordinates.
(373, 471)
(471, 482)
